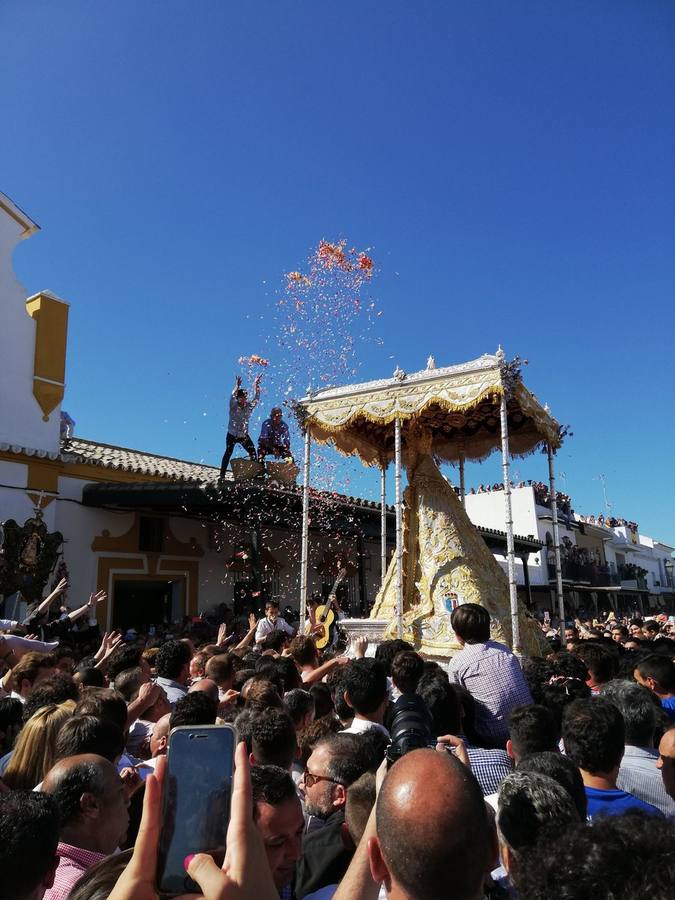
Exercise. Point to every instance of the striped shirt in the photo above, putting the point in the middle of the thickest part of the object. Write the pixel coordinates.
(639, 776)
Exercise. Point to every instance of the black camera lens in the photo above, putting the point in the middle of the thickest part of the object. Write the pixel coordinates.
(410, 728)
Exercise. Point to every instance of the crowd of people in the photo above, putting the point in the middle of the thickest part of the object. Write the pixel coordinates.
(378, 775)
(610, 522)
(542, 493)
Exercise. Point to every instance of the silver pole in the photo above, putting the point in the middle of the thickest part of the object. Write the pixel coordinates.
(510, 546)
(383, 521)
(304, 556)
(556, 544)
(462, 491)
(399, 529)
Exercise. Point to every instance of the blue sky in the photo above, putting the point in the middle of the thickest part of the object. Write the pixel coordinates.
(509, 163)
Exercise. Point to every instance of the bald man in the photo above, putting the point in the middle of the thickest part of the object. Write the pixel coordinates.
(207, 686)
(666, 762)
(93, 810)
(429, 836)
(159, 740)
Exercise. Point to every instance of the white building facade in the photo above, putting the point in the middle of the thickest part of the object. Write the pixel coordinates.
(604, 566)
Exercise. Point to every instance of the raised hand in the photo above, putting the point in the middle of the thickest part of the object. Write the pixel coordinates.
(148, 694)
(229, 696)
(110, 640)
(252, 621)
(60, 587)
(131, 780)
(457, 748)
(222, 634)
(360, 647)
(95, 598)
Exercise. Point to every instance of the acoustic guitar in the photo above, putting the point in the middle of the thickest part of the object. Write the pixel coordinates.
(325, 617)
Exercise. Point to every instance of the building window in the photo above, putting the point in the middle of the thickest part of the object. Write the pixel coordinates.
(150, 534)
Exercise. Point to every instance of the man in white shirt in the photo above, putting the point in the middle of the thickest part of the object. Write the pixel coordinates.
(173, 670)
(272, 622)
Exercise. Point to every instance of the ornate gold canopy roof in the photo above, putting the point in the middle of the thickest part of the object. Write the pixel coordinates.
(459, 406)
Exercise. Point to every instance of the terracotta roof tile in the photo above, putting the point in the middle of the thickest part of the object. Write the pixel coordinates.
(79, 450)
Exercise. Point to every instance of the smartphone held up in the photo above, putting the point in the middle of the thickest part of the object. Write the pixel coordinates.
(195, 802)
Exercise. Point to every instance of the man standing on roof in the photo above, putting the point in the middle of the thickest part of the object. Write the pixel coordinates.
(274, 437)
(237, 428)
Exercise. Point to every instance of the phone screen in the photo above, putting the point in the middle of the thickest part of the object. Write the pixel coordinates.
(196, 801)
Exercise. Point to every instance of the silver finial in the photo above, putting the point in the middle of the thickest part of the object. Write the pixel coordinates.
(500, 353)
(399, 374)
(431, 363)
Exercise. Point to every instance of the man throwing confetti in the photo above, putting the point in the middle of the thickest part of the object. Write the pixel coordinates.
(237, 428)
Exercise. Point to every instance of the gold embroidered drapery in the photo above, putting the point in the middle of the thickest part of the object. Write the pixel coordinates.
(446, 563)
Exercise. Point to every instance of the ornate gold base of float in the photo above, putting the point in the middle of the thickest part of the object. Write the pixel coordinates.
(445, 563)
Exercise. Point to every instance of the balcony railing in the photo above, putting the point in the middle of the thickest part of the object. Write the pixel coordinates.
(597, 575)
(586, 573)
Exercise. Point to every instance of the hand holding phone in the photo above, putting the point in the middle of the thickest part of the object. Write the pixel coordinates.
(244, 874)
(195, 801)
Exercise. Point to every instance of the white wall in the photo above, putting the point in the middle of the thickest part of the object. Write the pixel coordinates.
(14, 502)
(20, 415)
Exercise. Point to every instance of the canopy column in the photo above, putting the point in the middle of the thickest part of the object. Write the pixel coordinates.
(304, 555)
(399, 529)
(462, 491)
(556, 544)
(510, 545)
(383, 521)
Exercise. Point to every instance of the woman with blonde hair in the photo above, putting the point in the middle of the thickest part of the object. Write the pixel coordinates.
(34, 751)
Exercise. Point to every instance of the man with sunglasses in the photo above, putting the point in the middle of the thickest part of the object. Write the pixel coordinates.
(335, 763)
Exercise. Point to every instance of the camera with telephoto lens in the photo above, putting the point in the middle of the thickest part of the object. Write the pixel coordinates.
(410, 729)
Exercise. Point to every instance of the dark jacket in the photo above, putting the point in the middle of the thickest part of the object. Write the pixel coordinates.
(325, 858)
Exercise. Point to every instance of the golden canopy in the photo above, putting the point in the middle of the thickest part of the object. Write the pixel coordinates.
(459, 406)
